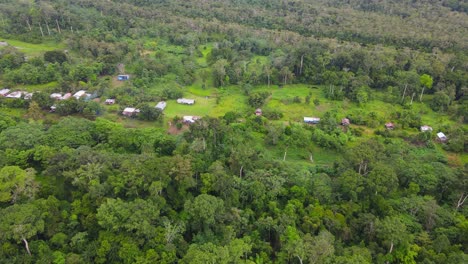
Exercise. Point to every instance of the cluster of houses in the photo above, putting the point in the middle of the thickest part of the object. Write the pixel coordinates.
(440, 135)
(78, 95)
(16, 94)
(389, 126)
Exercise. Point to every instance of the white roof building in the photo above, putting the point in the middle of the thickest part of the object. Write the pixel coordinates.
(4, 92)
(441, 136)
(185, 101)
(110, 101)
(16, 95)
(130, 111)
(191, 119)
(161, 105)
(311, 120)
(426, 128)
(79, 94)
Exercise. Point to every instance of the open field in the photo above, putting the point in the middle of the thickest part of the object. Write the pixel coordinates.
(33, 50)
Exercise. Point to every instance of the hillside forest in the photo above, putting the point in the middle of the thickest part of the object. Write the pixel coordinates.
(286, 131)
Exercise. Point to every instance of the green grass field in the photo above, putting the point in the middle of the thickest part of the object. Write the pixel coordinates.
(33, 50)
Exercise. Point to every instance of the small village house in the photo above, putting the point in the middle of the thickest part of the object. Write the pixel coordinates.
(258, 112)
(129, 111)
(109, 101)
(426, 128)
(123, 77)
(441, 137)
(161, 105)
(190, 119)
(16, 95)
(311, 120)
(389, 126)
(186, 101)
(4, 92)
(345, 122)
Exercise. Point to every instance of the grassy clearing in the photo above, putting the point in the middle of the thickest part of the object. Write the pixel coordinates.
(301, 156)
(37, 87)
(34, 50)
(202, 107)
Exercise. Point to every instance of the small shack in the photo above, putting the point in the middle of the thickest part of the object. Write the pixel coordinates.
(56, 96)
(53, 108)
(79, 94)
(109, 101)
(441, 137)
(15, 95)
(258, 112)
(129, 111)
(190, 119)
(161, 105)
(389, 126)
(4, 92)
(186, 101)
(311, 120)
(123, 77)
(345, 122)
(426, 128)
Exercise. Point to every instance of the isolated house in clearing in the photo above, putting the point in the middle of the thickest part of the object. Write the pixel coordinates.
(426, 128)
(79, 94)
(109, 101)
(190, 119)
(258, 112)
(389, 126)
(186, 101)
(311, 120)
(123, 77)
(161, 105)
(441, 137)
(129, 111)
(345, 122)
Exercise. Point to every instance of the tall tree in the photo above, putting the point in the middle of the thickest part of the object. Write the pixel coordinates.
(426, 82)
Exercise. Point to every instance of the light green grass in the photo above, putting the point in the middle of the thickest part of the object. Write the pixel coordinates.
(301, 156)
(37, 87)
(202, 107)
(34, 49)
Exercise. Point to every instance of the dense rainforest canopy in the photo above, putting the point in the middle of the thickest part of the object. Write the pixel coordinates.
(378, 176)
